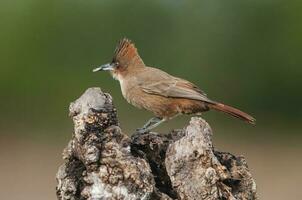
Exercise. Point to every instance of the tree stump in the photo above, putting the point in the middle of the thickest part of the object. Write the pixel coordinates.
(103, 163)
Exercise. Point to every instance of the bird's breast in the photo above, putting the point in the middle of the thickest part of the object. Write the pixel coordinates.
(123, 83)
(129, 91)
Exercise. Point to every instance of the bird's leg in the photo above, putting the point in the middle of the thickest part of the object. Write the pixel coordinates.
(152, 123)
(155, 124)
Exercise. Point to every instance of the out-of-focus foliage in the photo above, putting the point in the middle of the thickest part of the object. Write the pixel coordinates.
(244, 53)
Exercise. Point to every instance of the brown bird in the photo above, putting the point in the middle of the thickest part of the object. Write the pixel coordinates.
(157, 91)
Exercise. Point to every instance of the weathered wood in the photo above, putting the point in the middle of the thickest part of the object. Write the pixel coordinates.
(101, 162)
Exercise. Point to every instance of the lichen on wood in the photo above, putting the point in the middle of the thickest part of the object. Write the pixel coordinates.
(101, 162)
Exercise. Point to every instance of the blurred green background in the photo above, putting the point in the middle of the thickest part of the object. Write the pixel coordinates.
(243, 53)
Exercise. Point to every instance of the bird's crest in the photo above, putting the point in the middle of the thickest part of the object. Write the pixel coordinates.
(126, 53)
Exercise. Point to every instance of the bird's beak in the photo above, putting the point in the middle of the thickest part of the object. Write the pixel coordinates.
(108, 66)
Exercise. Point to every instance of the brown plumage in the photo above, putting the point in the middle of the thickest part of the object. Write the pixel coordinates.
(159, 92)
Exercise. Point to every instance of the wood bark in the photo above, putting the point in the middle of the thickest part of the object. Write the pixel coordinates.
(103, 163)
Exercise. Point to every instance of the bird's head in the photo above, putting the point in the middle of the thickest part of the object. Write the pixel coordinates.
(124, 59)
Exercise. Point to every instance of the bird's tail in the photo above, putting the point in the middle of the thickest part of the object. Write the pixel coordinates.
(233, 111)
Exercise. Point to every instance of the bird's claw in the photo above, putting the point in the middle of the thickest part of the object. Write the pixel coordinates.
(141, 131)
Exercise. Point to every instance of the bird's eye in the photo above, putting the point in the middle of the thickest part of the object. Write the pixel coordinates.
(116, 64)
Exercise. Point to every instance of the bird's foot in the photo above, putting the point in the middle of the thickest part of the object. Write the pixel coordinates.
(142, 131)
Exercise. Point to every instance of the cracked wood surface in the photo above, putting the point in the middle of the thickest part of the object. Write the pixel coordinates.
(103, 163)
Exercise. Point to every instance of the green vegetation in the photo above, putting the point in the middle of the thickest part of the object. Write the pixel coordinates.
(243, 53)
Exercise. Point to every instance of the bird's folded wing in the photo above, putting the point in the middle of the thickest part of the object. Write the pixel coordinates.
(175, 88)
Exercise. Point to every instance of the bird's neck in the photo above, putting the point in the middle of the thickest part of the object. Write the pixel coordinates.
(128, 73)
(128, 80)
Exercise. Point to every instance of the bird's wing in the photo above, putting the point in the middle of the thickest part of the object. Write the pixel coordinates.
(170, 86)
